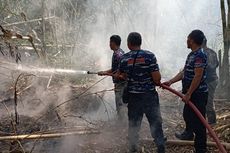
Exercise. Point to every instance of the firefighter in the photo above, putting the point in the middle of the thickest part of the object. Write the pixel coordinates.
(141, 70)
(115, 42)
(212, 81)
(195, 89)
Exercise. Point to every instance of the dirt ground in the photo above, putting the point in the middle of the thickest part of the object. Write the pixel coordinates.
(112, 136)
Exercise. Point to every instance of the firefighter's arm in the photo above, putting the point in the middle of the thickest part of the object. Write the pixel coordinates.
(120, 76)
(156, 76)
(175, 79)
(107, 72)
(195, 83)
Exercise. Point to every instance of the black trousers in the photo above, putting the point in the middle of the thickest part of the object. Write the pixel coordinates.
(148, 104)
(193, 123)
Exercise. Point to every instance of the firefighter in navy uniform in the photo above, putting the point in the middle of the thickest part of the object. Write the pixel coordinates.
(115, 42)
(141, 70)
(212, 81)
(195, 89)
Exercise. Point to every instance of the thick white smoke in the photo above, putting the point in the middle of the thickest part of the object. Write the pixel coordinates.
(163, 24)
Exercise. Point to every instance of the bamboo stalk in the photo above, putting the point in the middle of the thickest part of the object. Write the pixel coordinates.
(46, 136)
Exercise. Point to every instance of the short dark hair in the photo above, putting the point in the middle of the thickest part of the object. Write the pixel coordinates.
(134, 39)
(197, 36)
(116, 39)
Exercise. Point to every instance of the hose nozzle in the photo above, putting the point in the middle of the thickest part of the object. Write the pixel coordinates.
(89, 72)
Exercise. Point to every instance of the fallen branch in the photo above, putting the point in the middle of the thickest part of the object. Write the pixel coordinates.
(20, 145)
(222, 128)
(224, 116)
(64, 129)
(189, 143)
(80, 117)
(46, 136)
(222, 110)
(221, 100)
(8, 35)
(28, 21)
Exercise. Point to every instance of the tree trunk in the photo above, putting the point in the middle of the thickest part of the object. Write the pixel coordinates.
(224, 77)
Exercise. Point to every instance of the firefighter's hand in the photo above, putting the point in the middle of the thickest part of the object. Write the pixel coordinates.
(168, 83)
(101, 73)
(119, 76)
(187, 98)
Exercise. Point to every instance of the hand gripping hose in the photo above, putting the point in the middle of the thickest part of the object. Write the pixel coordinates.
(199, 115)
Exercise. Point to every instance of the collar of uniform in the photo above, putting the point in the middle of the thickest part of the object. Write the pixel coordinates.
(196, 51)
(117, 50)
(135, 51)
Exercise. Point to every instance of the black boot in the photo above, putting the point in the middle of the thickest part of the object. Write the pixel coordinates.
(161, 149)
(186, 135)
(200, 151)
(133, 149)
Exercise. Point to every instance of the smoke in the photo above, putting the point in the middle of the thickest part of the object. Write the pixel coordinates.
(164, 26)
(88, 24)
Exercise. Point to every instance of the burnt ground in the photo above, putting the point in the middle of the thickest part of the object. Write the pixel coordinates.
(112, 136)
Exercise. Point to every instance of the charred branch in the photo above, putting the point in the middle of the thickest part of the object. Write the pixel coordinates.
(8, 35)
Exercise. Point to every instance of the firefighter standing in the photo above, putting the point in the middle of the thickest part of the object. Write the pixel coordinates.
(194, 88)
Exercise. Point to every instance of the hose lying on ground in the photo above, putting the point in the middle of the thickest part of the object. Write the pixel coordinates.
(199, 115)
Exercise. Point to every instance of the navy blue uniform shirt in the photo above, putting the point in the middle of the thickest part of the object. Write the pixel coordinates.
(115, 62)
(196, 59)
(140, 78)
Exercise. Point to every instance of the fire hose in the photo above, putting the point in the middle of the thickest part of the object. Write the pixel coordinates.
(199, 115)
(197, 112)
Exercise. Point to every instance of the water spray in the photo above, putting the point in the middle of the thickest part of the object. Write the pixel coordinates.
(34, 69)
(53, 70)
(50, 70)
(199, 115)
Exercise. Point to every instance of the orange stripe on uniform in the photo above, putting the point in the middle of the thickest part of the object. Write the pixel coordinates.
(138, 61)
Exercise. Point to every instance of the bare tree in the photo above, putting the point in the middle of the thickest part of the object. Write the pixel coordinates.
(224, 67)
